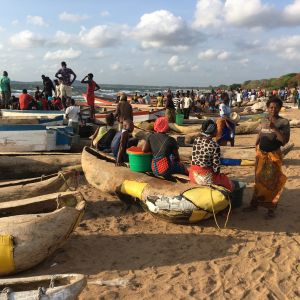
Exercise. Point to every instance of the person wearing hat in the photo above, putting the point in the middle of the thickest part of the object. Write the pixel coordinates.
(225, 126)
(166, 160)
(205, 166)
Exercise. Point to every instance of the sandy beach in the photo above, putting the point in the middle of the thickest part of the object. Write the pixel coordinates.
(147, 258)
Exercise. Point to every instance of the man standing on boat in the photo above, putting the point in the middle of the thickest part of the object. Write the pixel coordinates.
(66, 82)
(5, 89)
(92, 86)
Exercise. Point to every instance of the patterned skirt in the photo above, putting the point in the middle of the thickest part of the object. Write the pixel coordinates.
(206, 176)
(166, 166)
(269, 179)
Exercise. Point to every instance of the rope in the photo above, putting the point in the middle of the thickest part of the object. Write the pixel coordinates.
(213, 209)
(52, 281)
(61, 174)
(57, 201)
(42, 177)
(7, 291)
(41, 292)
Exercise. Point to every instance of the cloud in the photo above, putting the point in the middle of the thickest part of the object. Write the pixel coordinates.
(27, 39)
(224, 55)
(286, 47)
(179, 65)
(245, 13)
(62, 54)
(63, 38)
(115, 67)
(211, 54)
(208, 54)
(2, 29)
(250, 13)
(15, 22)
(208, 13)
(161, 29)
(104, 13)
(291, 13)
(67, 17)
(36, 20)
(100, 36)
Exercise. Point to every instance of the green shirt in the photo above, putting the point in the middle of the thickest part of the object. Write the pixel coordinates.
(4, 84)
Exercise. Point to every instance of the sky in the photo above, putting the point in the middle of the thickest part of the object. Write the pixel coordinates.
(157, 42)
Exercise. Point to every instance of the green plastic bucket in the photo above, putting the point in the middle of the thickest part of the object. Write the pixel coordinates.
(179, 119)
(138, 160)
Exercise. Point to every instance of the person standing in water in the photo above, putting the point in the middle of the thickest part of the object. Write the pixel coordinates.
(92, 86)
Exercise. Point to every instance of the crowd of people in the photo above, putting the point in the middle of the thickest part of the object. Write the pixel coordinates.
(205, 168)
(54, 95)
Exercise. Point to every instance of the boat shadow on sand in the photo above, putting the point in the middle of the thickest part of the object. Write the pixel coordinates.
(138, 251)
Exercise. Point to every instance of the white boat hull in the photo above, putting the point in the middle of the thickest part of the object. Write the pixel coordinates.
(24, 138)
(43, 289)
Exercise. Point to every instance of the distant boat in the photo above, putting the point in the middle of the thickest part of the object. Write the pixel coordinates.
(22, 138)
(144, 112)
(31, 113)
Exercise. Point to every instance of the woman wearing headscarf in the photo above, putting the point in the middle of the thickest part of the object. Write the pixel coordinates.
(164, 148)
(205, 167)
(269, 178)
(225, 126)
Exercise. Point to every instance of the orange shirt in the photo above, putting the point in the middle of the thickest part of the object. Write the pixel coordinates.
(24, 100)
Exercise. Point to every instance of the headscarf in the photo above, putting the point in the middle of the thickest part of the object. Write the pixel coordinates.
(161, 125)
(209, 127)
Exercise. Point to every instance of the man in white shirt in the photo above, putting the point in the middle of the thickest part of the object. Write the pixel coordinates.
(187, 104)
(73, 115)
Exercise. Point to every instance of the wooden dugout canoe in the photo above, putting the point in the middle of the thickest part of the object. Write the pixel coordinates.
(32, 229)
(47, 287)
(32, 187)
(26, 166)
(154, 193)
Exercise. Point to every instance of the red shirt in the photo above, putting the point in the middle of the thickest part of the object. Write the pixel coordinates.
(90, 95)
(24, 100)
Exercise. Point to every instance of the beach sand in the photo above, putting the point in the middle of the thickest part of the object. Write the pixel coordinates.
(253, 258)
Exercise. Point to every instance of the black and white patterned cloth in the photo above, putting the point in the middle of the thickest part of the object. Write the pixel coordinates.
(206, 153)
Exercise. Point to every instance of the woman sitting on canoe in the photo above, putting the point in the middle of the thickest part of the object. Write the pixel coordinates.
(104, 135)
(269, 179)
(225, 126)
(205, 168)
(166, 159)
(122, 141)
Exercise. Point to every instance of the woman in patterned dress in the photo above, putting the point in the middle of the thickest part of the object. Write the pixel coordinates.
(269, 178)
(205, 168)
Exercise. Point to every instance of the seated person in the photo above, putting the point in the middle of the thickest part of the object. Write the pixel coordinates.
(56, 103)
(122, 141)
(104, 135)
(205, 168)
(166, 159)
(25, 100)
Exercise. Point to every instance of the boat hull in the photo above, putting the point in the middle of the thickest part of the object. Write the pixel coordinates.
(37, 227)
(26, 188)
(57, 287)
(151, 190)
(22, 138)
